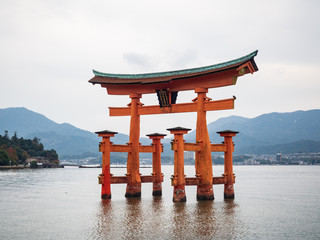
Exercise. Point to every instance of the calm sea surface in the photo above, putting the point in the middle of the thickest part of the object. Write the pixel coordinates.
(272, 202)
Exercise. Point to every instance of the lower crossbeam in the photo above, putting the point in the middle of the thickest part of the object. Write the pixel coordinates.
(124, 179)
(193, 181)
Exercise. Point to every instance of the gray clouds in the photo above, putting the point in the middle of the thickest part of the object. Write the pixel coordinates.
(48, 49)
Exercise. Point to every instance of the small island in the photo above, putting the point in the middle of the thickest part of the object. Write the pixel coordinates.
(25, 153)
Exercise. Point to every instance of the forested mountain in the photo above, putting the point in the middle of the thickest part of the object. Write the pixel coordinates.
(268, 133)
(14, 150)
(64, 138)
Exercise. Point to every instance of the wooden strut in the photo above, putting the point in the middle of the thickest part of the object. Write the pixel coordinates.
(154, 178)
(156, 163)
(179, 180)
(106, 178)
(203, 160)
(228, 167)
(134, 180)
(228, 178)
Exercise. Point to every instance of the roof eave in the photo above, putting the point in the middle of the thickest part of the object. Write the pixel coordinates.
(176, 73)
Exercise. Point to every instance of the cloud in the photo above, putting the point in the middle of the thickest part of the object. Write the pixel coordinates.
(48, 49)
(140, 60)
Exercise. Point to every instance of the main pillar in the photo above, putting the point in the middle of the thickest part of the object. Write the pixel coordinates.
(203, 161)
(105, 176)
(228, 165)
(133, 174)
(156, 163)
(178, 179)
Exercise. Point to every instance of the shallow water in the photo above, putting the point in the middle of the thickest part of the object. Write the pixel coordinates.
(272, 202)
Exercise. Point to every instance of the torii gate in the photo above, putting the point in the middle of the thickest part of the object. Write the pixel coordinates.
(167, 85)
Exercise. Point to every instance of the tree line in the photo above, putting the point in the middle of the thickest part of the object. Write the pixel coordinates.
(14, 150)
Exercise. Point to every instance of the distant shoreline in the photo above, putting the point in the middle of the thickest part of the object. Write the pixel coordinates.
(115, 166)
(25, 167)
(13, 167)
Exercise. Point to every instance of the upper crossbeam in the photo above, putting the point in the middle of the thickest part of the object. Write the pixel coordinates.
(174, 108)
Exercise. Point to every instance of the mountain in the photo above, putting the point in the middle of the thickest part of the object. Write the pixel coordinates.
(301, 146)
(64, 138)
(268, 130)
(269, 133)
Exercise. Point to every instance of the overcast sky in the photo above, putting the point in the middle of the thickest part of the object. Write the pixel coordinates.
(49, 48)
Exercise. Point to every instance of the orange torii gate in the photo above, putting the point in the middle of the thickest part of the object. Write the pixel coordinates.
(167, 85)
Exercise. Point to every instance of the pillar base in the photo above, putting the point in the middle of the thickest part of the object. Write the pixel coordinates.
(157, 189)
(133, 190)
(157, 193)
(205, 192)
(228, 192)
(228, 196)
(179, 194)
(179, 198)
(105, 196)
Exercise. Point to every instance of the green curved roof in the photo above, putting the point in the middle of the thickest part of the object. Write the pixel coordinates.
(178, 72)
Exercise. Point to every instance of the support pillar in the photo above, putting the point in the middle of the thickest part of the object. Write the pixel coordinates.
(178, 179)
(133, 175)
(105, 176)
(203, 160)
(156, 163)
(228, 165)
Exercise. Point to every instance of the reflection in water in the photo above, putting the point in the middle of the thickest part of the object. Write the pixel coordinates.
(205, 219)
(156, 221)
(119, 220)
(136, 218)
(105, 215)
(233, 226)
(157, 205)
(180, 219)
(133, 221)
(132, 218)
(229, 218)
(160, 218)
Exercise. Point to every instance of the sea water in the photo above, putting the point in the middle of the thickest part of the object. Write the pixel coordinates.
(271, 202)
